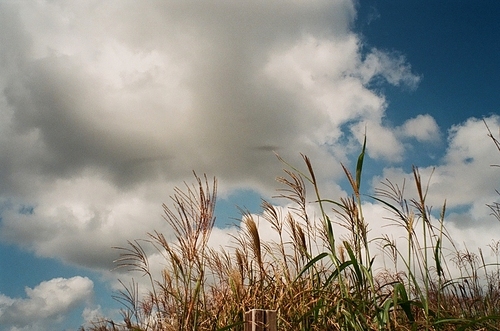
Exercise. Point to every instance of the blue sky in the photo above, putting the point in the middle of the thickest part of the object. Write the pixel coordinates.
(106, 106)
(451, 43)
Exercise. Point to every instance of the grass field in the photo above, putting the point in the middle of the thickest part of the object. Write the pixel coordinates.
(315, 278)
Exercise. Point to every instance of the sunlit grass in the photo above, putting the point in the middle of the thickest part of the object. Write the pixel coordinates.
(313, 277)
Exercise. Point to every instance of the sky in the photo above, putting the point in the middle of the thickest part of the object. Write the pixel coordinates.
(106, 106)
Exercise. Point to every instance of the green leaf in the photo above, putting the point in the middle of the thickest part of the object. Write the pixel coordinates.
(355, 263)
(359, 166)
(437, 251)
(404, 303)
(311, 263)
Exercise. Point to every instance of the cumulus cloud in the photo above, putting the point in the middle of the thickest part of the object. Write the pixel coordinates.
(390, 143)
(465, 177)
(383, 144)
(423, 128)
(107, 106)
(49, 300)
(392, 67)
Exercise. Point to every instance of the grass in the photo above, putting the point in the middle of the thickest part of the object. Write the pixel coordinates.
(321, 272)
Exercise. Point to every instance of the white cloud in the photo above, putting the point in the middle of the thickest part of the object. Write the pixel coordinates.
(80, 220)
(50, 300)
(390, 143)
(422, 127)
(383, 142)
(107, 106)
(465, 177)
(392, 67)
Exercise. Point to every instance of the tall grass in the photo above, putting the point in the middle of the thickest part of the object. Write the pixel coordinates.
(316, 278)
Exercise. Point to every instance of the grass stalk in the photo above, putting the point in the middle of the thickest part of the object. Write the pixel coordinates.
(315, 280)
